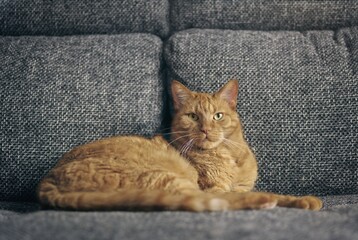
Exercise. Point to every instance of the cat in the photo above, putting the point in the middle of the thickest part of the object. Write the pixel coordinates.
(207, 130)
(206, 166)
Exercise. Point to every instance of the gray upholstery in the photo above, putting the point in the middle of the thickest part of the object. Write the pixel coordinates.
(335, 222)
(298, 100)
(62, 84)
(47, 17)
(59, 92)
(264, 14)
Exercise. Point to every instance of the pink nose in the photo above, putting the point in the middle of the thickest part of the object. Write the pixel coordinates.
(204, 130)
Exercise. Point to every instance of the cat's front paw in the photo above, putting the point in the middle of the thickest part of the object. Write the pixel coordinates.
(204, 204)
(250, 200)
(308, 202)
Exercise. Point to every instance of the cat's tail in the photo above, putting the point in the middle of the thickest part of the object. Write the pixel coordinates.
(128, 199)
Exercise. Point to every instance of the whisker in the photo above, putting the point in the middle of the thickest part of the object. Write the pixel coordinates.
(185, 147)
(193, 142)
(179, 138)
(227, 144)
(179, 132)
(231, 146)
(235, 143)
(182, 149)
(172, 132)
(168, 134)
(162, 129)
(188, 147)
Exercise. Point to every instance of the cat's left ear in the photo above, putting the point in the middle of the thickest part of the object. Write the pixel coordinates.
(229, 93)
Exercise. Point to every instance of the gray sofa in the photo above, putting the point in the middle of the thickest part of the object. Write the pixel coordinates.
(74, 71)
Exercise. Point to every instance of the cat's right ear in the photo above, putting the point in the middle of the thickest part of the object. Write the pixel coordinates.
(180, 94)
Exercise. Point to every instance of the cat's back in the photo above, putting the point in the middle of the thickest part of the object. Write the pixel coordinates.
(128, 152)
(106, 147)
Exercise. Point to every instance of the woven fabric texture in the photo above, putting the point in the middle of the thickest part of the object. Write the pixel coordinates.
(298, 100)
(47, 17)
(59, 92)
(264, 14)
(339, 222)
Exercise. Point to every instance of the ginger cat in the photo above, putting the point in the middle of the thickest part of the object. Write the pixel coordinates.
(207, 130)
(207, 166)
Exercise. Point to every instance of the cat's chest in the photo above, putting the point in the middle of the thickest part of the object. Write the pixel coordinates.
(216, 159)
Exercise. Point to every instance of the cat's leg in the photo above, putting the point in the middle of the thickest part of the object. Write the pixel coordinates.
(258, 200)
(238, 188)
(181, 190)
(193, 198)
(242, 198)
(167, 181)
(242, 188)
(249, 200)
(215, 196)
(304, 202)
(289, 201)
(218, 189)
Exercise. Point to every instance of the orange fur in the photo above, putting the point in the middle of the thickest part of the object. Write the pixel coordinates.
(216, 148)
(208, 166)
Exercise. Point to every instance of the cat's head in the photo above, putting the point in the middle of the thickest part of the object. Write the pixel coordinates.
(203, 120)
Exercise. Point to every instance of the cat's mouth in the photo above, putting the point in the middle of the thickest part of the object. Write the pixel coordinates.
(207, 142)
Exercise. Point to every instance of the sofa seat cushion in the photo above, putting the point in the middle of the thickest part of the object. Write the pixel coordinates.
(59, 92)
(47, 17)
(263, 14)
(297, 99)
(334, 222)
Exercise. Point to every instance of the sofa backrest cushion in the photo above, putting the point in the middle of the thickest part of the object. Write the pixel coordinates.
(47, 17)
(263, 14)
(59, 92)
(297, 99)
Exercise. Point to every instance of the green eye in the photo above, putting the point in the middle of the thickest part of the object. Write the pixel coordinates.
(193, 116)
(218, 116)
